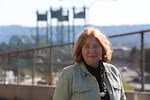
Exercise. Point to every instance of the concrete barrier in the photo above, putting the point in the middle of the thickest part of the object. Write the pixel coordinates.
(135, 95)
(42, 92)
(26, 92)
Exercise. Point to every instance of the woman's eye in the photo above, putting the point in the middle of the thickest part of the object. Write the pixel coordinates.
(95, 46)
(86, 46)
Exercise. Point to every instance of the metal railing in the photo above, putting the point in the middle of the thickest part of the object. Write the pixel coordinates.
(142, 54)
(34, 66)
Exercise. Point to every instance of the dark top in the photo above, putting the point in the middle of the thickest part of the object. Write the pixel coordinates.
(96, 72)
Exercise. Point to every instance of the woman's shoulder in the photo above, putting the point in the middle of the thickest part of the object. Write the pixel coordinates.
(110, 67)
(70, 68)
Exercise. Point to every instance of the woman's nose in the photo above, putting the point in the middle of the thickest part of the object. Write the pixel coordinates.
(92, 50)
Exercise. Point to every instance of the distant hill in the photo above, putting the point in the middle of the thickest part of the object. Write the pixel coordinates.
(6, 32)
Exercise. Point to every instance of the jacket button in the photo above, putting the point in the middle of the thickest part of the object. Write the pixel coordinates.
(102, 94)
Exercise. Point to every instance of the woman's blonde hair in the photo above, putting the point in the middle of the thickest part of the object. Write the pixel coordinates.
(102, 39)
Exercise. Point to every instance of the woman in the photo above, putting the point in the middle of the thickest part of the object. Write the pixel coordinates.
(90, 78)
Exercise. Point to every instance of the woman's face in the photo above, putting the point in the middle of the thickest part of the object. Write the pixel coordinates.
(92, 51)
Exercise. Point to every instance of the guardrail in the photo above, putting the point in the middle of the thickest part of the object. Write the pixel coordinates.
(34, 66)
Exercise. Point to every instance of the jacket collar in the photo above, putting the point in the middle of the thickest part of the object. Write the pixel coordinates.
(85, 72)
(107, 69)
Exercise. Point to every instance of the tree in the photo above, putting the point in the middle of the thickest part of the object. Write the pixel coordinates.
(147, 60)
(135, 56)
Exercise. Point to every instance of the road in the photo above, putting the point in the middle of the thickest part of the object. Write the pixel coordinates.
(132, 77)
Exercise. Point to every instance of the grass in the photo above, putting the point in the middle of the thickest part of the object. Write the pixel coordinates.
(128, 86)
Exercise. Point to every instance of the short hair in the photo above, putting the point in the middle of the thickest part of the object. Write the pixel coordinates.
(102, 39)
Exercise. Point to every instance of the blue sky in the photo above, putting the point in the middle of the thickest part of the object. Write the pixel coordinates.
(101, 12)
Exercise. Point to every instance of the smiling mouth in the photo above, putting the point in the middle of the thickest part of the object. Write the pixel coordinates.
(92, 56)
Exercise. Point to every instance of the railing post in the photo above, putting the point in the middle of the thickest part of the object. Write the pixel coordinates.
(33, 65)
(18, 67)
(142, 62)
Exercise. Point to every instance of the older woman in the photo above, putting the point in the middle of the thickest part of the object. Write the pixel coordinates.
(91, 77)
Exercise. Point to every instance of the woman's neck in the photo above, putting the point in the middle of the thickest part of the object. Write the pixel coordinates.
(93, 65)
